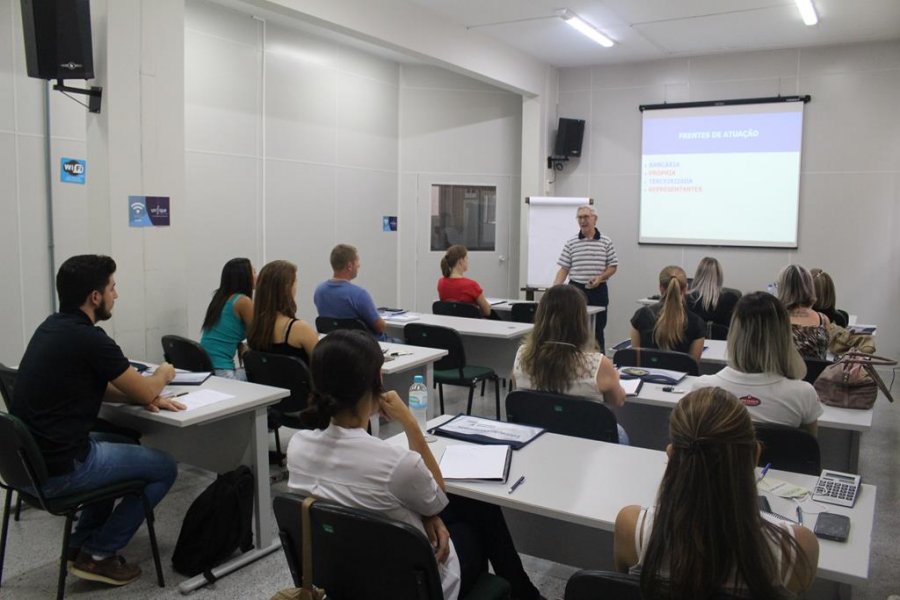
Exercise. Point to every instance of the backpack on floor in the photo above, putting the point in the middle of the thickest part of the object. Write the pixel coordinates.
(216, 524)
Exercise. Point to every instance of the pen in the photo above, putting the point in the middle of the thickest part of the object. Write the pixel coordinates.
(518, 482)
(799, 516)
(764, 471)
(178, 395)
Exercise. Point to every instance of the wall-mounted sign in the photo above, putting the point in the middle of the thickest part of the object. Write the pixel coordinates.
(148, 211)
(72, 170)
(389, 223)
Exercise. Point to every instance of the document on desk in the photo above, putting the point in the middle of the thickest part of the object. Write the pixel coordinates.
(632, 387)
(496, 301)
(190, 378)
(464, 462)
(401, 318)
(488, 431)
(200, 398)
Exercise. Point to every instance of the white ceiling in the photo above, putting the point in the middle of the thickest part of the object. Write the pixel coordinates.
(652, 29)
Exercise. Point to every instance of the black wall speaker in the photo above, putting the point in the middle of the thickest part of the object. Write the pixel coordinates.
(569, 137)
(58, 39)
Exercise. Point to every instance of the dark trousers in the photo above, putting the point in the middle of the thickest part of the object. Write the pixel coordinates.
(479, 534)
(599, 296)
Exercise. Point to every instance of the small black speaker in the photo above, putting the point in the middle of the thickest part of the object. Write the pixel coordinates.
(569, 137)
(58, 39)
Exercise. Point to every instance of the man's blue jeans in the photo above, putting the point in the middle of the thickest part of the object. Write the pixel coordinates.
(103, 529)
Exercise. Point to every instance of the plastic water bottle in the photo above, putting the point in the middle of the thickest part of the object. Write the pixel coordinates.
(418, 404)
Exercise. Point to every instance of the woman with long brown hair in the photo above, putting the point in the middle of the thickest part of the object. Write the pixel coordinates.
(668, 324)
(706, 534)
(275, 326)
(797, 293)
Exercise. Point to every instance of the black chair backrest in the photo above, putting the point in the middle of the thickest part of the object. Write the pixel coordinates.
(715, 331)
(523, 312)
(279, 370)
(456, 309)
(734, 291)
(789, 449)
(845, 317)
(389, 559)
(565, 415)
(327, 324)
(435, 336)
(656, 359)
(185, 354)
(21, 462)
(7, 384)
(814, 368)
(591, 585)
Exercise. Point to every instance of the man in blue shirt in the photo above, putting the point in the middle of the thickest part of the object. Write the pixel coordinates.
(337, 298)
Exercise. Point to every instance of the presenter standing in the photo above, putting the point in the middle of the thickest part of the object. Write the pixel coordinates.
(588, 260)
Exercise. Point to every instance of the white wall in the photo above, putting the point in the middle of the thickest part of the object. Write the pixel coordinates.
(850, 171)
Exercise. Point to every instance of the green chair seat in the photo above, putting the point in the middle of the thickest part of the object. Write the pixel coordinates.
(470, 373)
(489, 587)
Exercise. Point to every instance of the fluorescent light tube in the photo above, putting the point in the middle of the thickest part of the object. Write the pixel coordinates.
(585, 28)
(807, 11)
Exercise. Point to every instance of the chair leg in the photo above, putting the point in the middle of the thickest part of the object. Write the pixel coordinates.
(483, 381)
(18, 506)
(441, 396)
(61, 583)
(497, 395)
(471, 395)
(7, 504)
(277, 441)
(148, 515)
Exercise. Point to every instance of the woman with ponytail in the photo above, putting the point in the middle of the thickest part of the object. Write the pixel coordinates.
(560, 354)
(706, 535)
(454, 287)
(340, 462)
(668, 324)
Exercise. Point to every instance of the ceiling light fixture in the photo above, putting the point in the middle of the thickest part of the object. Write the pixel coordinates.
(807, 11)
(585, 28)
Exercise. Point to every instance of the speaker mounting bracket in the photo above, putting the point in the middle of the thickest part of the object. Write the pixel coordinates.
(557, 162)
(94, 94)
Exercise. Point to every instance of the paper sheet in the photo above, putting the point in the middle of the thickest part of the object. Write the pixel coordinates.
(630, 386)
(201, 398)
(465, 461)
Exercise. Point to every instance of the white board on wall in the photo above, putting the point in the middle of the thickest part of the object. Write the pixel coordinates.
(551, 221)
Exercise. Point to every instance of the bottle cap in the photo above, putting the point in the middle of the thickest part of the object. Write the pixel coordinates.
(418, 379)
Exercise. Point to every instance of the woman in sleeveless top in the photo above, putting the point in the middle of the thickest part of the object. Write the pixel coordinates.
(560, 354)
(275, 326)
(809, 328)
(227, 317)
(705, 534)
(454, 286)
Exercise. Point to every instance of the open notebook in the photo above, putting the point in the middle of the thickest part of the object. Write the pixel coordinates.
(469, 462)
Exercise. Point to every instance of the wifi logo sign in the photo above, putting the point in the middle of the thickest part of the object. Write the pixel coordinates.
(72, 170)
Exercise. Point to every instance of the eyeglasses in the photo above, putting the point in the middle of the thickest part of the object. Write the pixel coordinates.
(579, 217)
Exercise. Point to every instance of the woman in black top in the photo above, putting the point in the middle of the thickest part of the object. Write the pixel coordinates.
(275, 326)
(707, 298)
(668, 324)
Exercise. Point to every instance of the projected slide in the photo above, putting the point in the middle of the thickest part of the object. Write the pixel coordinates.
(721, 175)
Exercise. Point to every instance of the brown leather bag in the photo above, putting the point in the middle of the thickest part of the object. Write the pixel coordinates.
(308, 591)
(852, 381)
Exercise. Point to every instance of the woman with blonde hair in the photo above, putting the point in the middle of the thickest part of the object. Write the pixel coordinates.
(454, 286)
(275, 327)
(560, 354)
(764, 368)
(826, 299)
(668, 324)
(706, 534)
(707, 298)
(809, 328)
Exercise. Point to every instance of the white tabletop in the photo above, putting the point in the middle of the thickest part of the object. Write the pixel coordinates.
(832, 417)
(506, 305)
(406, 357)
(587, 482)
(245, 396)
(470, 327)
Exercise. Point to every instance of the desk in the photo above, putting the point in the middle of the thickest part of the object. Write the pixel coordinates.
(505, 308)
(217, 437)
(600, 478)
(646, 419)
(488, 343)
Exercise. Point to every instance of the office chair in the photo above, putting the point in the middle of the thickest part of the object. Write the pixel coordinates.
(788, 449)
(562, 414)
(327, 324)
(656, 359)
(451, 369)
(523, 312)
(814, 368)
(281, 371)
(185, 354)
(594, 585)
(456, 309)
(715, 331)
(22, 467)
(390, 559)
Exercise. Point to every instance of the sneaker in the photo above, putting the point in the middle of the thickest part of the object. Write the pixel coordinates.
(113, 570)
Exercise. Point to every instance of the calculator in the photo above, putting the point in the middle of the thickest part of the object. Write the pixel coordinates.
(838, 488)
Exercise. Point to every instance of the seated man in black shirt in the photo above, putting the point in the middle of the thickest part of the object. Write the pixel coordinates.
(69, 368)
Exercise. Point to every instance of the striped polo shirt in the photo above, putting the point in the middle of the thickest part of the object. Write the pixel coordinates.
(585, 258)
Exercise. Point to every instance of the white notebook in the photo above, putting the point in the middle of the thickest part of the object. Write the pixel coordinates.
(476, 463)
